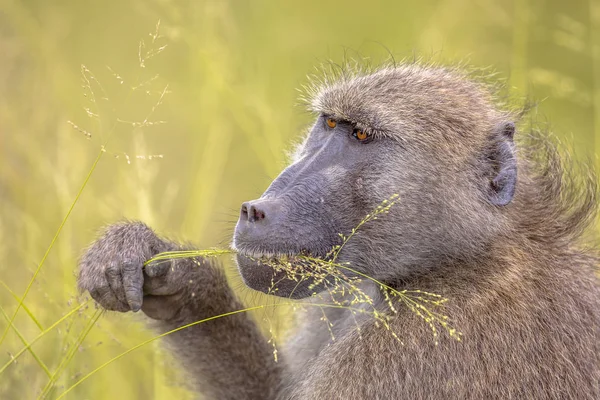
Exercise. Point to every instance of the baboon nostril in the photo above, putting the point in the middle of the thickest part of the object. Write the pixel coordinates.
(254, 214)
(251, 213)
(244, 212)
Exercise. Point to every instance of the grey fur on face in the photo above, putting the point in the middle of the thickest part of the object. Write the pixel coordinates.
(433, 164)
(487, 217)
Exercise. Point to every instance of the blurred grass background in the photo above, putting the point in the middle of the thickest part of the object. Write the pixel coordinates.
(229, 76)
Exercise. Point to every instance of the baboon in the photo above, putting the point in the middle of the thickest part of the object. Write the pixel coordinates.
(487, 217)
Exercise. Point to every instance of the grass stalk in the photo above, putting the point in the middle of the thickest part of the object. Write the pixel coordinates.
(54, 239)
(123, 354)
(324, 270)
(41, 335)
(27, 345)
(27, 310)
(70, 354)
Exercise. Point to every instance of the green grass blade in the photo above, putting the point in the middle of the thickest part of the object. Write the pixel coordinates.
(89, 374)
(39, 361)
(41, 335)
(70, 354)
(171, 255)
(54, 239)
(23, 305)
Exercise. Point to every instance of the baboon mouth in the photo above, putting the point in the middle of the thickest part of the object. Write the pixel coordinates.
(275, 272)
(258, 254)
(254, 254)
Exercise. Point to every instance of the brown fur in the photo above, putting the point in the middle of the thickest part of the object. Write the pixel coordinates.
(527, 305)
(520, 277)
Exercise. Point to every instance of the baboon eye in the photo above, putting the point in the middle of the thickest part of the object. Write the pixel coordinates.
(332, 123)
(361, 135)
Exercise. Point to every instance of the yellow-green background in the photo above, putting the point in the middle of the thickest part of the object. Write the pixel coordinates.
(232, 69)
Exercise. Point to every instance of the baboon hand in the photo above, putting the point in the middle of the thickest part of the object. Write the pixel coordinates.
(112, 269)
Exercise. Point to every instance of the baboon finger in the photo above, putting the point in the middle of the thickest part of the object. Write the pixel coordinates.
(133, 282)
(115, 282)
(157, 268)
(104, 296)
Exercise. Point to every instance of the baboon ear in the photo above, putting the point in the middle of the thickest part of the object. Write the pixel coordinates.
(501, 155)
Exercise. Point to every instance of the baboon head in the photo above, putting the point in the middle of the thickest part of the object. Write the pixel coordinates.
(429, 135)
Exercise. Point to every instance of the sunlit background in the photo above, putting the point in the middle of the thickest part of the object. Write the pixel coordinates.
(196, 118)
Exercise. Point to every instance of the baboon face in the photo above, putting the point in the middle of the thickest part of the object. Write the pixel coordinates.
(364, 148)
(326, 191)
